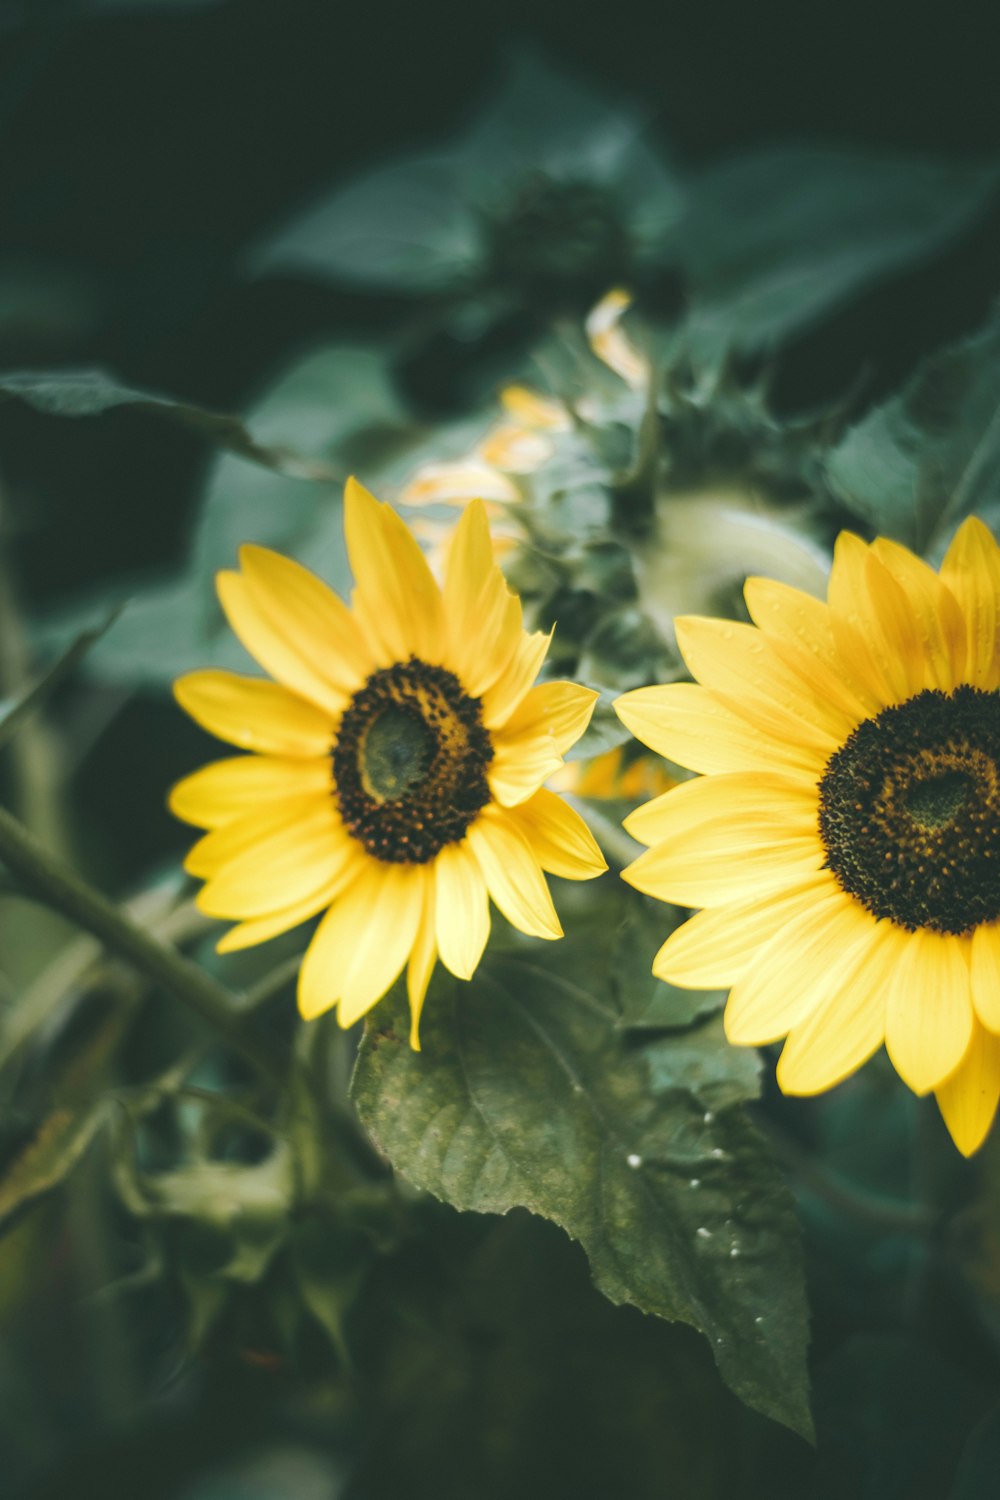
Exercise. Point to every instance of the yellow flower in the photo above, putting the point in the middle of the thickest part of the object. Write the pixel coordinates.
(613, 774)
(399, 756)
(523, 440)
(845, 837)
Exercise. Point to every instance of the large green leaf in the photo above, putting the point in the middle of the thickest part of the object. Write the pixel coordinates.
(915, 466)
(527, 1094)
(779, 236)
(417, 223)
(90, 393)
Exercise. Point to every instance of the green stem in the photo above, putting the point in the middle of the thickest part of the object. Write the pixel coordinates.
(60, 887)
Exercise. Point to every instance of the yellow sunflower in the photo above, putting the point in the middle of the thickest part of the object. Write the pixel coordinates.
(397, 766)
(845, 839)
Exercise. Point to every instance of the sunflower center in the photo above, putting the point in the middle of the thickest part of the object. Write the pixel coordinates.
(909, 811)
(409, 763)
(396, 753)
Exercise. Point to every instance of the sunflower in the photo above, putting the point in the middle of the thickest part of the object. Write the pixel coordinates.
(398, 759)
(845, 837)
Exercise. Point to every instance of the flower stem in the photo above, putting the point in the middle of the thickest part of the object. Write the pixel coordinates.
(50, 879)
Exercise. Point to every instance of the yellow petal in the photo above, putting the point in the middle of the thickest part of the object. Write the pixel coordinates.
(848, 1023)
(514, 778)
(396, 597)
(362, 943)
(713, 808)
(262, 929)
(462, 910)
(742, 668)
(534, 410)
(934, 616)
(271, 649)
(725, 869)
(968, 1099)
(483, 617)
(560, 839)
(692, 727)
(458, 483)
(309, 615)
(516, 449)
(254, 714)
(503, 696)
(894, 622)
(714, 948)
(420, 967)
(228, 789)
(555, 711)
(800, 630)
(513, 876)
(234, 837)
(971, 571)
(986, 975)
(610, 342)
(929, 1015)
(284, 865)
(856, 628)
(798, 965)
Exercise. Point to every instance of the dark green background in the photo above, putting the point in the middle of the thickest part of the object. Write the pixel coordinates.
(144, 147)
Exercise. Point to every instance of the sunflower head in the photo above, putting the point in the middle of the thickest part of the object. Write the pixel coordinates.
(395, 780)
(844, 838)
(637, 488)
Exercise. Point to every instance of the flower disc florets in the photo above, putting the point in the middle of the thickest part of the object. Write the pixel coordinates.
(910, 811)
(410, 762)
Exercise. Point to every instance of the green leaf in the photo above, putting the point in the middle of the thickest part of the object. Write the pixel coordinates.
(36, 695)
(780, 236)
(90, 393)
(915, 466)
(318, 408)
(702, 1061)
(645, 1000)
(977, 1472)
(59, 1143)
(403, 224)
(527, 1094)
(417, 223)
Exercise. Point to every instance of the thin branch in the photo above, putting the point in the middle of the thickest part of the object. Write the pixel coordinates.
(60, 887)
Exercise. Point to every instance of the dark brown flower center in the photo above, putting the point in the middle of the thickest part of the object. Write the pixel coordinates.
(909, 811)
(409, 763)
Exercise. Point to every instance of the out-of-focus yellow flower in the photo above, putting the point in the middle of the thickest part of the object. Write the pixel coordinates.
(614, 774)
(612, 344)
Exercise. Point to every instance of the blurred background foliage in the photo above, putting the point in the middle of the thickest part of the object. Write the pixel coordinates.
(350, 227)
